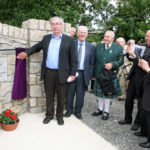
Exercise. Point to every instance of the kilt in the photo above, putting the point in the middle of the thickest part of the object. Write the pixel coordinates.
(99, 93)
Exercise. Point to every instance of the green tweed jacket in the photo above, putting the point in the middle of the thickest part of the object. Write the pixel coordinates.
(112, 55)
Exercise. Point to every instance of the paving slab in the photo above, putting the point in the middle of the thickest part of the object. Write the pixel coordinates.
(32, 134)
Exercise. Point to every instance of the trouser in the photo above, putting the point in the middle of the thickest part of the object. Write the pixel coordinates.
(129, 103)
(52, 85)
(92, 84)
(145, 123)
(77, 88)
(148, 124)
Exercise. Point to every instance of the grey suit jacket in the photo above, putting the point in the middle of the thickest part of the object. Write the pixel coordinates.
(88, 61)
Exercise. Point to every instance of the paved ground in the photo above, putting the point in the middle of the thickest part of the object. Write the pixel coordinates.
(32, 134)
(89, 134)
(120, 136)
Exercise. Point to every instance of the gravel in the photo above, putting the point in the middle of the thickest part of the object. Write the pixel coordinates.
(118, 135)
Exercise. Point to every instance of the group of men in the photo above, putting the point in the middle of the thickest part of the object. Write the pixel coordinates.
(138, 88)
(68, 66)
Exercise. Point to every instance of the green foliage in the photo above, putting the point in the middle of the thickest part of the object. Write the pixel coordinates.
(95, 37)
(14, 12)
(8, 117)
(131, 20)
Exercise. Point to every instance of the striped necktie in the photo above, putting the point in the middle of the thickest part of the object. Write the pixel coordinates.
(79, 54)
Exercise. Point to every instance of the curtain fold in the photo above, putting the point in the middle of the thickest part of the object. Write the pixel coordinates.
(19, 90)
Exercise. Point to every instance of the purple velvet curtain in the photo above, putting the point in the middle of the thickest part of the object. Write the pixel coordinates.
(20, 82)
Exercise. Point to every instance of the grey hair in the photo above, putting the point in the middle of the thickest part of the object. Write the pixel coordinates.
(131, 41)
(61, 19)
(85, 27)
(120, 39)
(112, 32)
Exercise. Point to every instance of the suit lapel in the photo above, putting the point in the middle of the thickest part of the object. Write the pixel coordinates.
(112, 46)
(62, 41)
(86, 52)
(47, 42)
(76, 47)
(147, 52)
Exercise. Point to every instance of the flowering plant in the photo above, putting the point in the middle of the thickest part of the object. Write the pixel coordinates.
(8, 117)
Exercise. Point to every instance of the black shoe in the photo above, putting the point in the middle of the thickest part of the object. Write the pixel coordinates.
(47, 120)
(78, 115)
(105, 116)
(139, 134)
(60, 121)
(135, 127)
(97, 113)
(145, 145)
(120, 99)
(123, 122)
(68, 114)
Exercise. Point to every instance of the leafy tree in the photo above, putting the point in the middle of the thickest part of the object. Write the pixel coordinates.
(103, 10)
(14, 12)
(95, 38)
(131, 20)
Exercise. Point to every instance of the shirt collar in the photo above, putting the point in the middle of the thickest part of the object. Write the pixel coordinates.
(83, 43)
(108, 45)
(53, 36)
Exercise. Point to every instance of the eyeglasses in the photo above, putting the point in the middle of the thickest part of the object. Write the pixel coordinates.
(83, 33)
(55, 24)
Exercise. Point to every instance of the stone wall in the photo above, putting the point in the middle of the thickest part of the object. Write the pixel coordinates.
(31, 32)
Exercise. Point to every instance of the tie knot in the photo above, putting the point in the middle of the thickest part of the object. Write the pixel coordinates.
(107, 46)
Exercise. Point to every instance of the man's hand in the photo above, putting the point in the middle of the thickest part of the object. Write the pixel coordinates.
(130, 51)
(93, 78)
(144, 65)
(108, 66)
(71, 78)
(22, 55)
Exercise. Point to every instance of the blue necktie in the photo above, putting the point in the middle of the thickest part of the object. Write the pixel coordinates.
(79, 54)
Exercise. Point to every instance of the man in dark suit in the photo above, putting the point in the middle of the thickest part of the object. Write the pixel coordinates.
(136, 77)
(145, 100)
(59, 63)
(85, 53)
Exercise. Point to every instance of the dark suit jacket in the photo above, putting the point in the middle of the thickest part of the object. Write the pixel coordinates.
(67, 56)
(146, 93)
(88, 61)
(137, 73)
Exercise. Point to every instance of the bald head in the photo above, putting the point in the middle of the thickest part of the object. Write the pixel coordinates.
(147, 38)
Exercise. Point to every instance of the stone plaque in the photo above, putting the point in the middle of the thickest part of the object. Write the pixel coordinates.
(3, 69)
